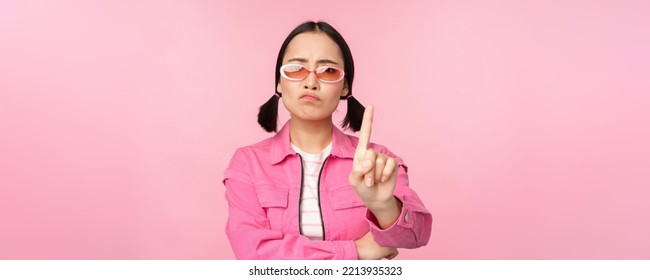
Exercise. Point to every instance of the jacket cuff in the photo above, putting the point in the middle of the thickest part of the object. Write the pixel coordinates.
(405, 219)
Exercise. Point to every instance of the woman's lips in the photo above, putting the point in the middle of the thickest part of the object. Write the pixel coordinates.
(309, 97)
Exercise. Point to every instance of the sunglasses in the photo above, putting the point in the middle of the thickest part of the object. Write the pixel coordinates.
(326, 74)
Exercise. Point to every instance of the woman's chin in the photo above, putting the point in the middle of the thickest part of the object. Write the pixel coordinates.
(311, 116)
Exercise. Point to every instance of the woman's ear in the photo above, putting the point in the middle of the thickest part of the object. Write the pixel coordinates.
(345, 90)
(278, 88)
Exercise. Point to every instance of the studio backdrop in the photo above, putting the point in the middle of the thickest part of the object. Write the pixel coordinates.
(524, 123)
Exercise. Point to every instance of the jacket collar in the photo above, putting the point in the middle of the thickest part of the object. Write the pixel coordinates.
(342, 145)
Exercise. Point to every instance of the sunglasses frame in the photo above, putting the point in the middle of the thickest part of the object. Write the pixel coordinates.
(315, 71)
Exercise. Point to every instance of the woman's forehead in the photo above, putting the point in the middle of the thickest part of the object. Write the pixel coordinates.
(313, 46)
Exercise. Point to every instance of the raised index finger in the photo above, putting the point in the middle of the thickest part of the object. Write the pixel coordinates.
(364, 132)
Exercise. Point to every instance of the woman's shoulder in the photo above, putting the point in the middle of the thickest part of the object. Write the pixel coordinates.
(259, 147)
(354, 140)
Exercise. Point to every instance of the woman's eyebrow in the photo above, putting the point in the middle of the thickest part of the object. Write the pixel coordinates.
(303, 60)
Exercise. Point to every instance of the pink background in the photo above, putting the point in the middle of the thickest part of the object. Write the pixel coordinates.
(524, 123)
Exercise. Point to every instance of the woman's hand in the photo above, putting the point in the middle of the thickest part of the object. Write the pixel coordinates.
(374, 176)
(368, 249)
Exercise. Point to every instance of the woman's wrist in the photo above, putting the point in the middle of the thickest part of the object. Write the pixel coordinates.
(386, 213)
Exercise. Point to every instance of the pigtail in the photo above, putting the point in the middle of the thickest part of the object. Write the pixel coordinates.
(268, 115)
(354, 115)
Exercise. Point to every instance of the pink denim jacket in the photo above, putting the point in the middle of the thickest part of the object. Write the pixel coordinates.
(263, 185)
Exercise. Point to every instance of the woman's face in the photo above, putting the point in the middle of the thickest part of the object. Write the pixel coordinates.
(312, 99)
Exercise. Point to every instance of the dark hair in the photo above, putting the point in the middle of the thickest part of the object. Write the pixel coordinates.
(268, 115)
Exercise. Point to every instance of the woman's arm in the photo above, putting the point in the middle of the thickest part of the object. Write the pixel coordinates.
(412, 228)
(396, 214)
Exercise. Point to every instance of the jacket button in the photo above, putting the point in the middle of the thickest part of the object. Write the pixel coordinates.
(406, 217)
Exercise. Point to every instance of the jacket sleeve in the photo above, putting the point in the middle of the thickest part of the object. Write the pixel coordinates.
(412, 229)
(249, 231)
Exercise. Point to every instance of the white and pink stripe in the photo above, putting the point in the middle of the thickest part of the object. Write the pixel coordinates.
(311, 224)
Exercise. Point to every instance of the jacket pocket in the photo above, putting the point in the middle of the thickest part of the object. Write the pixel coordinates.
(346, 198)
(269, 198)
(274, 201)
(350, 212)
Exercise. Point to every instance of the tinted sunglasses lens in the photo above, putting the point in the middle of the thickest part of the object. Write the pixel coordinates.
(296, 72)
(329, 74)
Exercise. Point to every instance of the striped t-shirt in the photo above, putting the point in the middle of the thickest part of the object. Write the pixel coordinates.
(311, 223)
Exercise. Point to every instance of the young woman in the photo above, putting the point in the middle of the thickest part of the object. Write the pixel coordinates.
(311, 191)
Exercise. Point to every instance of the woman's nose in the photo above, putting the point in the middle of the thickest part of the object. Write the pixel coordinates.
(311, 82)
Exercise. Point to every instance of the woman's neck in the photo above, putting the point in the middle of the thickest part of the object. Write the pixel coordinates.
(311, 136)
